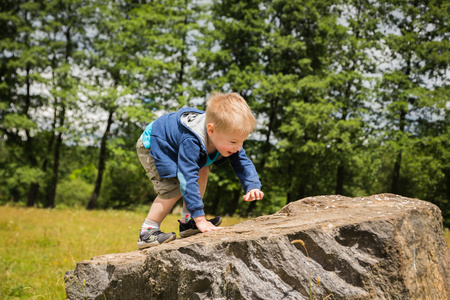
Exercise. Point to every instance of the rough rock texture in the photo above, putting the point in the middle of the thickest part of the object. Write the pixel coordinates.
(378, 247)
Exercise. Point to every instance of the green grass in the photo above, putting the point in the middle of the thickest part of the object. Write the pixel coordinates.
(37, 246)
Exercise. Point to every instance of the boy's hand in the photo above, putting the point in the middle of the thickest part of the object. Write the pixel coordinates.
(254, 194)
(204, 225)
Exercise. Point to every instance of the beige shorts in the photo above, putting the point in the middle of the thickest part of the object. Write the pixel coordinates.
(166, 188)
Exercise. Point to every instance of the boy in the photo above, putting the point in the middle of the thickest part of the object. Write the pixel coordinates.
(176, 151)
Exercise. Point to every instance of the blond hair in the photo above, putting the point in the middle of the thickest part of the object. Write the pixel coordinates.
(230, 112)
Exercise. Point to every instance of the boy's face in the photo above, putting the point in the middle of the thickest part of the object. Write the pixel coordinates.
(227, 143)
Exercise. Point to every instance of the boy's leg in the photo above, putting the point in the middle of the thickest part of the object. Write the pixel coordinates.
(168, 193)
(150, 234)
(161, 208)
(168, 189)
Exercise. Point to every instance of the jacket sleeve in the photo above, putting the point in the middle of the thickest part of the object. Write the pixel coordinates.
(187, 173)
(245, 170)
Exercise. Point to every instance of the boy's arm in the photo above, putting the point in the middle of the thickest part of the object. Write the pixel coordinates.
(245, 170)
(188, 169)
(187, 173)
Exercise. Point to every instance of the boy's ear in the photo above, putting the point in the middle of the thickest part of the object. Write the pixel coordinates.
(210, 129)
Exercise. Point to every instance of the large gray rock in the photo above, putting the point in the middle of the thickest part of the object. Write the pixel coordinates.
(378, 247)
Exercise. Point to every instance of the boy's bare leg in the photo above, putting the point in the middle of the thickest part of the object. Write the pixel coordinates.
(161, 208)
(150, 235)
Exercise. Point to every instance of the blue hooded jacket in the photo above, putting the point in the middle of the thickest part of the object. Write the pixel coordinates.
(179, 152)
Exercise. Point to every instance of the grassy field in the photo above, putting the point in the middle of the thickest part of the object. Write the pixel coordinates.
(38, 245)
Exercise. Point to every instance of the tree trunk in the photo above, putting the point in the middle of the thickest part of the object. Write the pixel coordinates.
(291, 188)
(396, 174)
(234, 203)
(54, 182)
(34, 186)
(250, 208)
(182, 60)
(398, 159)
(341, 168)
(296, 195)
(288, 197)
(445, 205)
(32, 194)
(340, 179)
(62, 118)
(101, 164)
(302, 192)
(52, 192)
(56, 154)
(215, 204)
(447, 182)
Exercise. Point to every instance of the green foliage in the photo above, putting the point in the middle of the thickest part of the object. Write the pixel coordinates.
(351, 96)
(73, 193)
(24, 176)
(86, 173)
(125, 182)
(16, 122)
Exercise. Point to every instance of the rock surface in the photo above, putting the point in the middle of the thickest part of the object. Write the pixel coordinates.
(379, 247)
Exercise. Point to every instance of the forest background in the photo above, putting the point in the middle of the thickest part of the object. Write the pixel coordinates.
(351, 96)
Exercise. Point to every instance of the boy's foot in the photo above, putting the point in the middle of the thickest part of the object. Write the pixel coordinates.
(189, 228)
(154, 237)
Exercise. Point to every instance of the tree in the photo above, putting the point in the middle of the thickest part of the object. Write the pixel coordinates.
(108, 51)
(22, 63)
(417, 63)
(141, 49)
(65, 31)
(230, 60)
(298, 59)
(351, 77)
